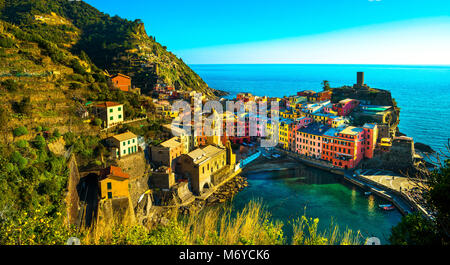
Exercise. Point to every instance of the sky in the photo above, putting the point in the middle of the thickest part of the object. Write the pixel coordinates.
(295, 31)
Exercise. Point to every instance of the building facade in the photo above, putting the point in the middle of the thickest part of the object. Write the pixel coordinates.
(111, 113)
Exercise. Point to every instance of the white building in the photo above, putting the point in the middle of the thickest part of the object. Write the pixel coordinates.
(123, 144)
(110, 112)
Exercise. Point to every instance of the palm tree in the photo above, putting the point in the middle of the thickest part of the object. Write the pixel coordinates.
(326, 85)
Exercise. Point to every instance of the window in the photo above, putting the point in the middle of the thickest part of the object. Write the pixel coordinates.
(124, 151)
(119, 108)
(124, 143)
(128, 141)
(110, 110)
(111, 118)
(109, 195)
(109, 185)
(120, 116)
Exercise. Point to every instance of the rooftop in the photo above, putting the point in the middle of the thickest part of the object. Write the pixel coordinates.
(124, 136)
(113, 171)
(171, 143)
(315, 129)
(108, 104)
(351, 130)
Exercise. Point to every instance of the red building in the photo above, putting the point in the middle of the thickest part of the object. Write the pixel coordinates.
(346, 148)
(121, 82)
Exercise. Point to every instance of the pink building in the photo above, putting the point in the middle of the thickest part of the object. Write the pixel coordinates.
(345, 106)
(308, 140)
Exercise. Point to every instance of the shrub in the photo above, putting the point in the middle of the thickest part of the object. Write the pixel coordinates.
(38, 128)
(22, 144)
(39, 142)
(23, 106)
(12, 85)
(19, 131)
(75, 86)
(19, 160)
(56, 133)
(97, 122)
(6, 42)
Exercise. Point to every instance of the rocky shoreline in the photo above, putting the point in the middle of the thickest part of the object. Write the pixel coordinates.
(221, 195)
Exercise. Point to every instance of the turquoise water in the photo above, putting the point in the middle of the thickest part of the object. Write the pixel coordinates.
(422, 92)
(288, 195)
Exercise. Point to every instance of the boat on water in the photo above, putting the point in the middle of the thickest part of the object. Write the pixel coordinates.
(390, 208)
(384, 205)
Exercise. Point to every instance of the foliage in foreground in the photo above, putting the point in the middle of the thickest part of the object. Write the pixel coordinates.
(415, 229)
(220, 226)
(217, 226)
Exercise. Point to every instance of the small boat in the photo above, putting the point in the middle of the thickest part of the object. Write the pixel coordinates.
(384, 205)
(367, 193)
(390, 208)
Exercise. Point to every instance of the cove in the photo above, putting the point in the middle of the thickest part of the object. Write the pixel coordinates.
(290, 193)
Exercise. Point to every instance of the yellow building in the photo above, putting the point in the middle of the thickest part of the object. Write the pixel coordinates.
(337, 121)
(113, 183)
(200, 164)
(166, 152)
(283, 133)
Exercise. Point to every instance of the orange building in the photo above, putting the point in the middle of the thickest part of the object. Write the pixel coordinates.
(121, 82)
(113, 183)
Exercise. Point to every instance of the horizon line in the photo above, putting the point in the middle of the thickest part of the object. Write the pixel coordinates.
(375, 64)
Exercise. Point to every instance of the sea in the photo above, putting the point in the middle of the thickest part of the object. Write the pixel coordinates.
(421, 92)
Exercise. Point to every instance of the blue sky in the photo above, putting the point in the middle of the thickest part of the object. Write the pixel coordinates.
(295, 31)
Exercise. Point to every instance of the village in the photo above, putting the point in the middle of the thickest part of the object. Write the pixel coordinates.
(187, 170)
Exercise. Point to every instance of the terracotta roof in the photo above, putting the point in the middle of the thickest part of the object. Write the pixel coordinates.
(124, 136)
(113, 171)
(122, 75)
(107, 104)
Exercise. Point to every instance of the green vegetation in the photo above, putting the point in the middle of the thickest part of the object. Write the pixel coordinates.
(30, 178)
(12, 85)
(415, 229)
(19, 131)
(99, 40)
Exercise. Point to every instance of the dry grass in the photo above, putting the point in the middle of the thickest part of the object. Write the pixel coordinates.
(217, 226)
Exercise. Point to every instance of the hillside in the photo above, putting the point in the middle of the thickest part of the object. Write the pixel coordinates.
(112, 43)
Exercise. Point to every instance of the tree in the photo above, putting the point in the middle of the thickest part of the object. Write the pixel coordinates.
(417, 229)
(413, 229)
(19, 131)
(326, 85)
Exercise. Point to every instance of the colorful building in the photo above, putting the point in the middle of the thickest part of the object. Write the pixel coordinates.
(111, 113)
(123, 144)
(122, 82)
(200, 164)
(113, 183)
(345, 106)
(166, 152)
(308, 140)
